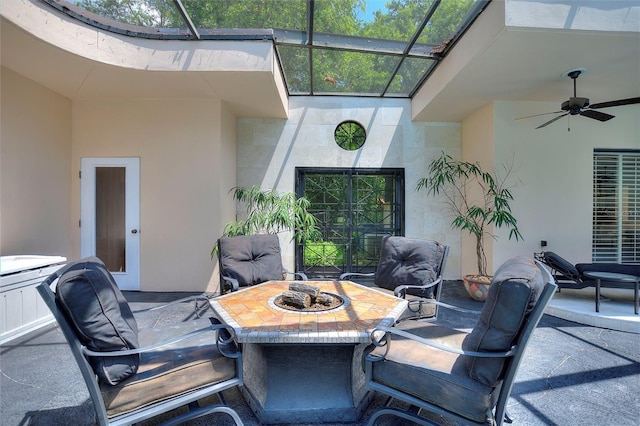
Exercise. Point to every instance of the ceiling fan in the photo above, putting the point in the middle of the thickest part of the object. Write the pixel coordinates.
(580, 106)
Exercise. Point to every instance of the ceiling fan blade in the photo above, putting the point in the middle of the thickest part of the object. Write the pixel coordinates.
(538, 115)
(619, 102)
(597, 115)
(551, 121)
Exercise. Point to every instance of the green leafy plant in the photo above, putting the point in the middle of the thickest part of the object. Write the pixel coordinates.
(323, 253)
(269, 212)
(476, 198)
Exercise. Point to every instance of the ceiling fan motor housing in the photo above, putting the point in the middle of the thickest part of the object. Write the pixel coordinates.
(575, 104)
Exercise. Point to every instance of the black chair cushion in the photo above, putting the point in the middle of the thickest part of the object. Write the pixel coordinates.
(251, 259)
(562, 265)
(430, 374)
(89, 297)
(170, 370)
(408, 261)
(514, 290)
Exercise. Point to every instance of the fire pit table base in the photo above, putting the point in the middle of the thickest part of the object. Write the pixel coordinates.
(306, 367)
(298, 383)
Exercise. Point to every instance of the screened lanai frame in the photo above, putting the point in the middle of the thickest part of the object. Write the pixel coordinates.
(316, 59)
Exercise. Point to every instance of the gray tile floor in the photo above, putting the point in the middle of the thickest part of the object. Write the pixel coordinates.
(571, 374)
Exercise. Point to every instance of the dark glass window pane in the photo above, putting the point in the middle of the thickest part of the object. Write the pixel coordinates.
(354, 209)
(445, 22)
(110, 217)
(350, 135)
(408, 76)
(336, 17)
(397, 20)
(295, 64)
(261, 14)
(351, 72)
(147, 13)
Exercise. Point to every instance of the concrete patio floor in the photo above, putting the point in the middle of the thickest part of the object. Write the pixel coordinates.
(571, 374)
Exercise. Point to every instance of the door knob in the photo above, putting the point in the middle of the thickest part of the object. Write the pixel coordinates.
(134, 231)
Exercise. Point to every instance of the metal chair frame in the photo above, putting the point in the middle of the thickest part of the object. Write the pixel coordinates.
(514, 356)
(401, 290)
(82, 355)
(234, 284)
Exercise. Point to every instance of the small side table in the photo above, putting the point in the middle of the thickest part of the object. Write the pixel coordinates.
(615, 277)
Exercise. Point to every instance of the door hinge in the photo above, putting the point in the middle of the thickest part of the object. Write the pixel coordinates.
(79, 174)
(79, 223)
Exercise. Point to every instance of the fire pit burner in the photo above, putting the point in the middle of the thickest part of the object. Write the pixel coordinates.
(304, 298)
(330, 301)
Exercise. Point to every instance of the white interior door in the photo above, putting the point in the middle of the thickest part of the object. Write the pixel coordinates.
(110, 216)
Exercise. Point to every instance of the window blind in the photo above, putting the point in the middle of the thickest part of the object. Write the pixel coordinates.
(616, 206)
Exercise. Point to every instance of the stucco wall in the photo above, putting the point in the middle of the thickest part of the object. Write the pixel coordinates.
(225, 179)
(181, 163)
(478, 146)
(554, 167)
(269, 151)
(600, 15)
(35, 145)
(552, 177)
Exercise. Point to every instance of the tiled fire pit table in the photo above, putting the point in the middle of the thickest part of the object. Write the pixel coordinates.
(305, 367)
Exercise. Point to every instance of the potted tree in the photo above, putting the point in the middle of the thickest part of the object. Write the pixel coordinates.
(478, 201)
(270, 212)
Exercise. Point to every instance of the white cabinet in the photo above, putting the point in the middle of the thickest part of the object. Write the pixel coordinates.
(21, 308)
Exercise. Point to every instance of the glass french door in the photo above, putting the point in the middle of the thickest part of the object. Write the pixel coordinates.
(110, 216)
(354, 209)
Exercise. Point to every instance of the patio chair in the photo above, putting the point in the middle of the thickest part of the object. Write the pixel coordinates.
(465, 377)
(410, 267)
(568, 275)
(132, 374)
(248, 260)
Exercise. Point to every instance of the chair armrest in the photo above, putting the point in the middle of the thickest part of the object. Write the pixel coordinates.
(235, 285)
(196, 298)
(444, 305)
(302, 276)
(385, 341)
(355, 274)
(177, 339)
(403, 288)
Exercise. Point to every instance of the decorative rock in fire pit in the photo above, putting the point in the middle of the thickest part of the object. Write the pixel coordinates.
(307, 298)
